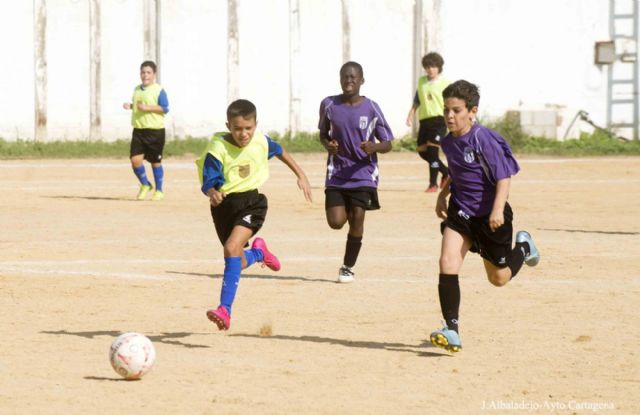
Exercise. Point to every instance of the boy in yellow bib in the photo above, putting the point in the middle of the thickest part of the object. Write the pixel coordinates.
(148, 106)
(429, 105)
(231, 169)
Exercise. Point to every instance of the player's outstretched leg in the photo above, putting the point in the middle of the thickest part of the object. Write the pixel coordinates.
(533, 257)
(268, 258)
(221, 317)
(447, 339)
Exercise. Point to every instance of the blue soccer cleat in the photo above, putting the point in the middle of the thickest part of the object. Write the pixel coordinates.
(447, 339)
(534, 255)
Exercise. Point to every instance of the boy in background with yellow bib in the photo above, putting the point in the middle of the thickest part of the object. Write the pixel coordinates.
(428, 103)
(148, 105)
(231, 169)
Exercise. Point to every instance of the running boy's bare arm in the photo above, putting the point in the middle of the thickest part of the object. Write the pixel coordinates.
(496, 219)
(441, 203)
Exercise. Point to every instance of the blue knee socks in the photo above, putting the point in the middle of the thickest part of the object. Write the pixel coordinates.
(230, 280)
(252, 256)
(141, 174)
(158, 175)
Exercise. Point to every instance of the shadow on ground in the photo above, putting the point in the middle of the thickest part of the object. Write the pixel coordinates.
(586, 231)
(127, 199)
(165, 338)
(392, 347)
(255, 276)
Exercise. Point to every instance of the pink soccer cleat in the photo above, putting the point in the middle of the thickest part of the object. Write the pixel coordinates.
(221, 317)
(268, 258)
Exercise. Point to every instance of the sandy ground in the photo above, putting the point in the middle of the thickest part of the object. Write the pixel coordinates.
(81, 262)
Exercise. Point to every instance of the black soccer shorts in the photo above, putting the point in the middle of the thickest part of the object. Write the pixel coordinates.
(248, 209)
(364, 197)
(148, 142)
(492, 246)
(432, 130)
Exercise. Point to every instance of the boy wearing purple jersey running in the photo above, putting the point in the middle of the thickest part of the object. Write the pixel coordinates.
(478, 217)
(352, 129)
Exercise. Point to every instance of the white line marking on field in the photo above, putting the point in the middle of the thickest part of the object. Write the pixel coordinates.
(180, 165)
(97, 274)
(427, 279)
(216, 261)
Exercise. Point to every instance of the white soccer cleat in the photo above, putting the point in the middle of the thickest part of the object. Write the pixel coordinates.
(345, 275)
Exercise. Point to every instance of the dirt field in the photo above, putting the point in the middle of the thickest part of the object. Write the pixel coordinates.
(81, 262)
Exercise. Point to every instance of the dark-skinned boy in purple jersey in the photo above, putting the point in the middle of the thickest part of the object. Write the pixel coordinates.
(352, 130)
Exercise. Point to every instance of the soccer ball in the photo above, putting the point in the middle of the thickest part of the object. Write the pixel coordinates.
(132, 355)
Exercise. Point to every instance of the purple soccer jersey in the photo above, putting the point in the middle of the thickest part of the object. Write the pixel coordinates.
(350, 125)
(472, 189)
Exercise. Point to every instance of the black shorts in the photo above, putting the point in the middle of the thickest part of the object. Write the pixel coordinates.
(247, 209)
(364, 197)
(492, 246)
(432, 130)
(148, 142)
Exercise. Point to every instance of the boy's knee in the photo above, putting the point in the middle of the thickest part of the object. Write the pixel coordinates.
(497, 282)
(500, 278)
(448, 265)
(232, 249)
(335, 224)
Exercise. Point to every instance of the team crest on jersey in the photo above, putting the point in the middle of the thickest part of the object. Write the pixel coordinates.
(469, 155)
(244, 170)
(364, 121)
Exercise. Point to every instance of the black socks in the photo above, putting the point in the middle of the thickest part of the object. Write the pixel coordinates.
(516, 258)
(352, 250)
(449, 292)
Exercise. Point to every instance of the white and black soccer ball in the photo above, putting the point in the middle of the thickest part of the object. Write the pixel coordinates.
(132, 355)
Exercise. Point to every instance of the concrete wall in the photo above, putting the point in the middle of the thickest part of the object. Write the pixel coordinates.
(524, 55)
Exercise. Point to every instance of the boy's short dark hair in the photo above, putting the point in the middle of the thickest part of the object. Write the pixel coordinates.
(433, 59)
(241, 108)
(465, 91)
(355, 65)
(150, 64)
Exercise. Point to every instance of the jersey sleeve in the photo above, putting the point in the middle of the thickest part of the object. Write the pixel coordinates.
(416, 100)
(382, 129)
(498, 154)
(212, 175)
(324, 123)
(275, 149)
(163, 101)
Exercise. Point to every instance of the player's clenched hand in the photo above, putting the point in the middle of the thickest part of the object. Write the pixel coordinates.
(496, 220)
(368, 147)
(303, 184)
(126, 105)
(332, 146)
(215, 197)
(441, 205)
